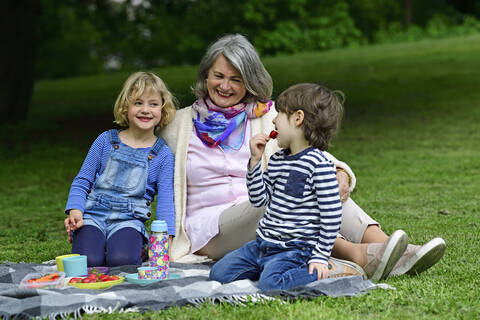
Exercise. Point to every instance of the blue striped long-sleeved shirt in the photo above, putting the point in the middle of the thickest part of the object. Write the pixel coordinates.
(159, 181)
(303, 204)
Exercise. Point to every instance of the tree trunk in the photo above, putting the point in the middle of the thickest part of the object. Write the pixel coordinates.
(408, 13)
(17, 58)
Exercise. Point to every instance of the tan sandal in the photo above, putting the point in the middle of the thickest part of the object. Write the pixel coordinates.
(417, 259)
(343, 268)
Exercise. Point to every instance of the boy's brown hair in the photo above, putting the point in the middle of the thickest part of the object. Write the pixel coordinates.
(322, 107)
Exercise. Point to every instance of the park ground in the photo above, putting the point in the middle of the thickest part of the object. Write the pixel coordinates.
(411, 134)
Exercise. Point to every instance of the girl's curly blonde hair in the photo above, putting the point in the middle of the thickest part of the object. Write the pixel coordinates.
(136, 84)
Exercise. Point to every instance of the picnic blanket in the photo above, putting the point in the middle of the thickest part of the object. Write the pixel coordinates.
(193, 287)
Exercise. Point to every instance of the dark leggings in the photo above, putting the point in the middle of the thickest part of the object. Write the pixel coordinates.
(122, 248)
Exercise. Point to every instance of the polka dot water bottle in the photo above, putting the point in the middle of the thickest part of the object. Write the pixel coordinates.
(158, 248)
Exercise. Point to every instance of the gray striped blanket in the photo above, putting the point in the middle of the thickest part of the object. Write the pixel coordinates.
(192, 288)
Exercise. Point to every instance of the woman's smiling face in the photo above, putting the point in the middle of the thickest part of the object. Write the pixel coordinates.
(225, 84)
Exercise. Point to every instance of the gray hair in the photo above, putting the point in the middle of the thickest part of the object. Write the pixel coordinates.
(243, 56)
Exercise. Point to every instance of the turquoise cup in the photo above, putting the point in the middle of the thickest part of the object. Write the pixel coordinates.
(149, 273)
(75, 266)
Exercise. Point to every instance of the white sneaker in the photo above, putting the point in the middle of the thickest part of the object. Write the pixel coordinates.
(417, 259)
(382, 257)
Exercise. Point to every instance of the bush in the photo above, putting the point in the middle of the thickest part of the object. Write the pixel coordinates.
(470, 25)
(439, 26)
(333, 28)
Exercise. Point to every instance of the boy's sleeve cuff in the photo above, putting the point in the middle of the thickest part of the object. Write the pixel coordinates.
(255, 168)
(318, 258)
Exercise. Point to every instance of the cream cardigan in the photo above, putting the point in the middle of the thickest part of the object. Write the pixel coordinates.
(177, 135)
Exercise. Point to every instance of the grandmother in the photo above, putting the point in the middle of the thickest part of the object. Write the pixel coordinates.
(210, 142)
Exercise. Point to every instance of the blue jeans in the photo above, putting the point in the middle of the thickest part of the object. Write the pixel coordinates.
(274, 266)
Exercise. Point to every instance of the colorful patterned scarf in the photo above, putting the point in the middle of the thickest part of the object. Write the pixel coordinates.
(214, 124)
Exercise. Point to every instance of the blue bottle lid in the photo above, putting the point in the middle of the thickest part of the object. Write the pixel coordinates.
(159, 226)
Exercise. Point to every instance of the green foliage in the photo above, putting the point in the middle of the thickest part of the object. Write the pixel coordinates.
(93, 36)
(371, 15)
(331, 27)
(173, 32)
(439, 26)
(67, 42)
(423, 11)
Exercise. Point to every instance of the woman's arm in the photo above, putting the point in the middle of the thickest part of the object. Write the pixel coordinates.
(172, 132)
(177, 135)
(329, 210)
(346, 175)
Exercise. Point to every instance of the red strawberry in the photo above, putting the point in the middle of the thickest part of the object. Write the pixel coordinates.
(273, 134)
(75, 280)
(104, 277)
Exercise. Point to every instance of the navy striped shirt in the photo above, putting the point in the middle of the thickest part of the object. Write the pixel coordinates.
(303, 204)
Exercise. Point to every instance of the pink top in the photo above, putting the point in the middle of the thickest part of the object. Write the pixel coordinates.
(216, 180)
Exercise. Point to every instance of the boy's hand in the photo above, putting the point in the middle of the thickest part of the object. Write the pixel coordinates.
(257, 147)
(73, 222)
(322, 269)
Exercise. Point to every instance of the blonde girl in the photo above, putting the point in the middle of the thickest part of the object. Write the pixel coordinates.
(110, 198)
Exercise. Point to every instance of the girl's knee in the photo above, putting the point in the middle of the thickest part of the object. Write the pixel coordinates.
(95, 260)
(121, 258)
(124, 247)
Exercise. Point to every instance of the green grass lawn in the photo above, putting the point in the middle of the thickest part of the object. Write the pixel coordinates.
(411, 134)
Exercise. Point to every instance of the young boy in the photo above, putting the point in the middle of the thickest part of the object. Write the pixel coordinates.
(300, 191)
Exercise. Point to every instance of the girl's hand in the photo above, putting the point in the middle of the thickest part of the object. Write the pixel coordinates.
(72, 222)
(257, 147)
(343, 185)
(322, 270)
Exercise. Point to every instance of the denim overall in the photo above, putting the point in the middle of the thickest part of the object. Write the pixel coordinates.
(117, 199)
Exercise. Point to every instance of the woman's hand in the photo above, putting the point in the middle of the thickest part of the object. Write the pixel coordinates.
(257, 147)
(170, 239)
(343, 185)
(73, 221)
(322, 269)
